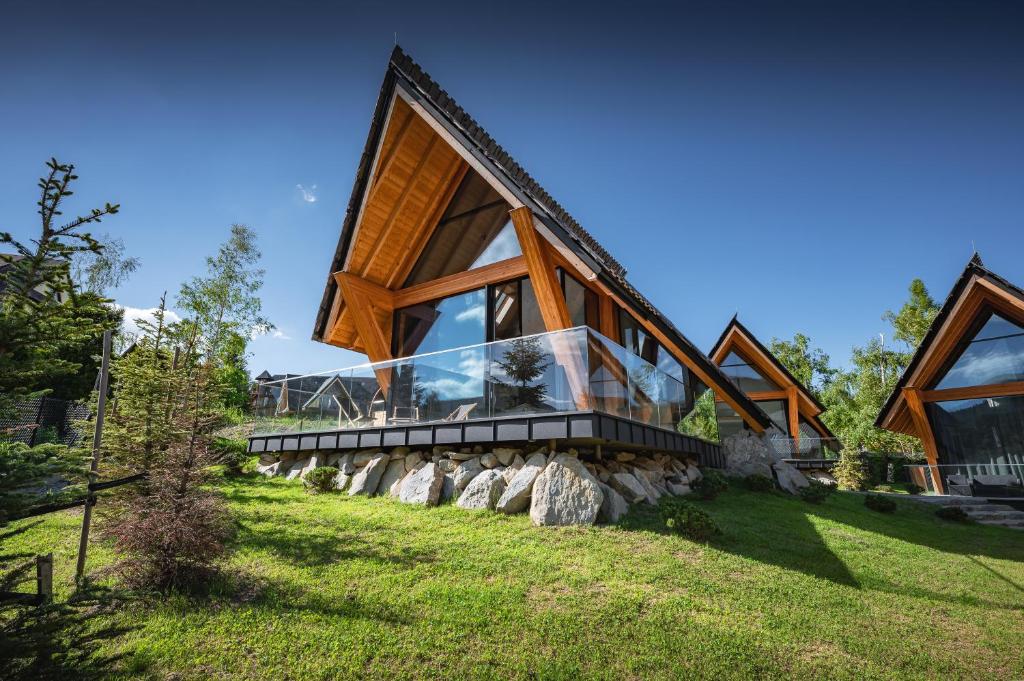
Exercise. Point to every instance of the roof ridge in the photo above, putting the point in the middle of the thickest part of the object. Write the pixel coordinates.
(500, 157)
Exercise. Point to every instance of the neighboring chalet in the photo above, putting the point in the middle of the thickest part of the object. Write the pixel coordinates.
(793, 409)
(963, 392)
(487, 312)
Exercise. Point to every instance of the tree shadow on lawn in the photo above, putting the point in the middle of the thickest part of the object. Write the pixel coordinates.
(306, 546)
(62, 640)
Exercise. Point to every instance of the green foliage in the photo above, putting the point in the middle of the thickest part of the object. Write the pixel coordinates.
(849, 470)
(320, 480)
(816, 492)
(811, 366)
(876, 502)
(98, 272)
(232, 373)
(232, 454)
(684, 518)
(24, 468)
(910, 324)
(47, 327)
(224, 303)
(710, 484)
(953, 514)
(701, 421)
(759, 483)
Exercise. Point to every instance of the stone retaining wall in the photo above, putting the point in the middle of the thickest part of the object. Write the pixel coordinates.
(575, 487)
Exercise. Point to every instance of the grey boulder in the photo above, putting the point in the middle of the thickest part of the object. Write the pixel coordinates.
(628, 486)
(613, 506)
(394, 472)
(565, 493)
(423, 486)
(466, 471)
(483, 491)
(367, 478)
(789, 478)
(516, 496)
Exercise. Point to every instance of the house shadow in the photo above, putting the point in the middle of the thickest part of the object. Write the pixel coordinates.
(777, 529)
(787, 539)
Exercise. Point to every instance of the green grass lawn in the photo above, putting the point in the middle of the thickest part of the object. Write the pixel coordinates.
(331, 586)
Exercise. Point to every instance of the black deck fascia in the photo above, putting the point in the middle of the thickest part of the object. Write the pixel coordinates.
(613, 430)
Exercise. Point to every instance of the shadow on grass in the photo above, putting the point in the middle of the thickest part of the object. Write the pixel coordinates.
(786, 539)
(60, 640)
(306, 546)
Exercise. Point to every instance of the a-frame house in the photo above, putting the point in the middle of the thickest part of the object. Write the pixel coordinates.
(794, 409)
(460, 278)
(963, 392)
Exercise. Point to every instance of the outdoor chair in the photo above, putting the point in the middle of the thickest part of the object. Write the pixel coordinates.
(958, 485)
(460, 414)
(997, 486)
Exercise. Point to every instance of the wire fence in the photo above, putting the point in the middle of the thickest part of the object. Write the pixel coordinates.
(42, 420)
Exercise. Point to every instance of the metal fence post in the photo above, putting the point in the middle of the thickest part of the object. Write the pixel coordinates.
(97, 440)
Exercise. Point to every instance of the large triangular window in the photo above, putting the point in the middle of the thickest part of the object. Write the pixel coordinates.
(746, 376)
(995, 355)
(474, 231)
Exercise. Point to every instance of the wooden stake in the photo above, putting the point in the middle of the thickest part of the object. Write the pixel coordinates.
(97, 439)
(44, 578)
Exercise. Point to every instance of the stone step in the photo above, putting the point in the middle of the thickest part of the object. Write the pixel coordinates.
(997, 515)
(989, 508)
(1011, 524)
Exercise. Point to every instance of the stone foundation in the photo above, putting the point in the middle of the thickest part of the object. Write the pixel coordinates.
(575, 487)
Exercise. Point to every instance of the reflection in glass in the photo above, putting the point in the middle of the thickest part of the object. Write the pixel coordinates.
(729, 422)
(744, 375)
(474, 231)
(776, 410)
(514, 310)
(982, 431)
(994, 355)
(441, 325)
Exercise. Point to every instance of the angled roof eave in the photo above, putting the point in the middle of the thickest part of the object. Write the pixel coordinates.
(736, 324)
(975, 268)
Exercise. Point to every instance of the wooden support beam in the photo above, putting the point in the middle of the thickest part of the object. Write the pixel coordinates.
(973, 392)
(360, 304)
(460, 282)
(793, 398)
(551, 302)
(542, 272)
(924, 433)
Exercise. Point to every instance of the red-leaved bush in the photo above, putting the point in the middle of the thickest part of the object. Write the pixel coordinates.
(172, 533)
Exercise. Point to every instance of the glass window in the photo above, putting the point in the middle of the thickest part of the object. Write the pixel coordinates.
(745, 376)
(983, 431)
(474, 231)
(453, 322)
(994, 355)
(584, 309)
(514, 310)
(729, 422)
(776, 410)
(670, 365)
(635, 339)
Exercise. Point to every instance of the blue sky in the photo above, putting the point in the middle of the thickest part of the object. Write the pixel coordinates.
(797, 163)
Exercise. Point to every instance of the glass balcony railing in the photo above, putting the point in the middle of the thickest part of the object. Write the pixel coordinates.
(563, 371)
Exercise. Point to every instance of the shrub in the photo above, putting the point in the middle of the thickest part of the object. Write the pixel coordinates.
(684, 518)
(233, 454)
(320, 480)
(815, 493)
(172, 535)
(710, 485)
(953, 514)
(849, 471)
(876, 502)
(914, 489)
(759, 483)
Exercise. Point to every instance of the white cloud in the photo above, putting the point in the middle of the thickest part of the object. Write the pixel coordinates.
(133, 314)
(280, 335)
(308, 193)
(476, 313)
